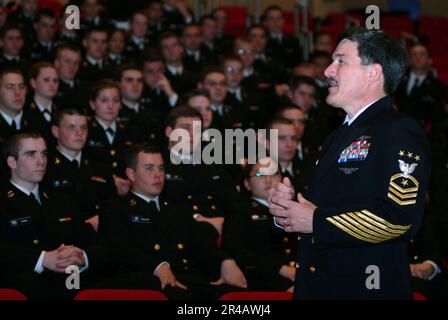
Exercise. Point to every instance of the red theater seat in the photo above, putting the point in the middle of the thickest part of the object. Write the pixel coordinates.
(53, 5)
(11, 294)
(257, 295)
(114, 294)
(418, 296)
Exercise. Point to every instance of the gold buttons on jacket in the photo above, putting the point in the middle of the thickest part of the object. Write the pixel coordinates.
(299, 238)
(185, 261)
(114, 164)
(180, 246)
(288, 251)
(157, 247)
(195, 207)
(189, 197)
(312, 269)
(285, 239)
(213, 207)
(36, 242)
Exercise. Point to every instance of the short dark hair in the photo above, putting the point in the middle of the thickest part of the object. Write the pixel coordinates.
(181, 112)
(297, 81)
(93, 29)
(57, 119)
(100, 86)
(250, 166)
(320, 54)
(211, 69)
(196, 93)
(278, 120)
(155, 57)
(376, 46)
(126, 67)
(8, 27)
(279, 113)
(12, 144)
(166, 35)
(133, 151)
(273, 7)
(206, 17)
(45, 13)
(7, 70)
(37, 67)
(67, 46)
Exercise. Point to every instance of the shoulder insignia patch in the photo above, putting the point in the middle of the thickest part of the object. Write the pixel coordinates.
(403, 186)
(10, 194)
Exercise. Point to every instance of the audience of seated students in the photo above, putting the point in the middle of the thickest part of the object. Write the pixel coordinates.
(91, 172)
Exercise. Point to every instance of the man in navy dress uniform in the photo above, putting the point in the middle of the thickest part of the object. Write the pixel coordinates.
(366, 198)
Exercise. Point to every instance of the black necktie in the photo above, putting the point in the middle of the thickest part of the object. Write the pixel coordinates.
(33, 197)
(75, 163)
(153, 206)
(110, 131)
(47, 115)
(287, 174)
(14, 125)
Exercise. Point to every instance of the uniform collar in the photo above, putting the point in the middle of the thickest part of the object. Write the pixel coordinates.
(70, 158)
(9, 119)
(263, 202)
(103, 125)
(35, 191)
(349, 120)
(148, 199)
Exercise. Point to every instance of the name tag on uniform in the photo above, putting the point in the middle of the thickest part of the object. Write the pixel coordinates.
(356, 151)
(140, 219)
(96, 144)
(62, 183)
(216, 177)
(20, 221)
(173, 177)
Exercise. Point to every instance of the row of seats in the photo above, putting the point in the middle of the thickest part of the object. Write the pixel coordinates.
(112, 294)
(118, 294)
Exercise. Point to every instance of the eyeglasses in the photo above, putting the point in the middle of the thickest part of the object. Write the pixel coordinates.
(242, 52)
(233, 70)
(259, 174)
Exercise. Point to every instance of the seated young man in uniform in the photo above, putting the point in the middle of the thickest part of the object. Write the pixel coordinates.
(267, 255)
(40, 230)
(154, 235)
(208, 189)
(70, 170)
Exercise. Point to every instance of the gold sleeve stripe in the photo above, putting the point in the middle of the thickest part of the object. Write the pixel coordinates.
(398, 201)
(400, 175)
(402, 196)
(357, 236)
(379, 225)
(386, 223)
(371, 226)
(364, 229)
(357, 231)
